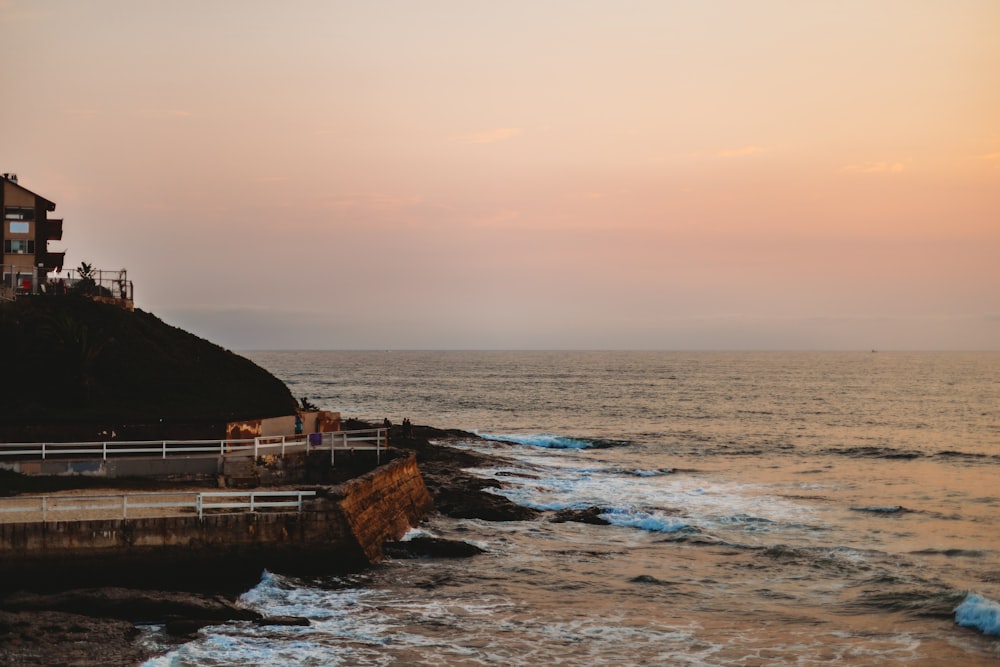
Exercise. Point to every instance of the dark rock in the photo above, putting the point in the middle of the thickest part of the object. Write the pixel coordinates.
(590, 515)
(58, 638)
(185, 627)
(431, 547)
(131, 604)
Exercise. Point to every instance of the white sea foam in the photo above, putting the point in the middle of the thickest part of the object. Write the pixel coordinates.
(280, 596)
(654, 522)
(650, 473)
(655, 501)
(414, 533)
(546, 440)
(979, 612)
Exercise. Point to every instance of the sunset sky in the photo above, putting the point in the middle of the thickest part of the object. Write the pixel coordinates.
(442, 174)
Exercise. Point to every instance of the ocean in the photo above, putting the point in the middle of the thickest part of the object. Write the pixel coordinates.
(764, 509)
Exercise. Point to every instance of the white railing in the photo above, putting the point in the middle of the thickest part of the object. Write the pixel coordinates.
(367, 439)
(122, 504)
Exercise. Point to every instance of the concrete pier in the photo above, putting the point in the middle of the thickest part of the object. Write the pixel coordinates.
(344, 526)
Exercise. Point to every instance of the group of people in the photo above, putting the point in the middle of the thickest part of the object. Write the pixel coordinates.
(407, 426)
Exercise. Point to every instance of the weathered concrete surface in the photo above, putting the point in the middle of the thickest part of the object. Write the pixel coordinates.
(344, 527)
(380, 508)
(190, 466)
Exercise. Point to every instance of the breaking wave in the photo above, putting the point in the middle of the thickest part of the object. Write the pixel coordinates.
(979, 612)
(552, 441)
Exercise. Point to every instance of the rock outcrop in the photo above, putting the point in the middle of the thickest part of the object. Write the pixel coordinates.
(85, 370)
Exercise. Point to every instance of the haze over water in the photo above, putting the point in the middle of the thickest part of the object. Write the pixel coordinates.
(764, 509)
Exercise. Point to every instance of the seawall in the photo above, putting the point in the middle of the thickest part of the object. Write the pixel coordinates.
(343, 528)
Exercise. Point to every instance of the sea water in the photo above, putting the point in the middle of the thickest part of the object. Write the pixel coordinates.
(762, 508)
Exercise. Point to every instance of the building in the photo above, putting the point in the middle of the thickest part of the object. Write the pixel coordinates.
(27, 260)
(26, 233)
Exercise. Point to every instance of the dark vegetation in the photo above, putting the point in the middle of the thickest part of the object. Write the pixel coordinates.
(78, 369)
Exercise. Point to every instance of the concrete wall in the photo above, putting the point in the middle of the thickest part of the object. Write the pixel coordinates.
(381, 505)
(322, 421)
(193, 467)
(344, 524)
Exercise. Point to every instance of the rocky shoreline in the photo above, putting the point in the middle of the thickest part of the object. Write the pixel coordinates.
(98, 626)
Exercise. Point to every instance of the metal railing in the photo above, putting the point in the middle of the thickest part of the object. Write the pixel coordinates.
(366, 439)
(113, 285)
(121, 504)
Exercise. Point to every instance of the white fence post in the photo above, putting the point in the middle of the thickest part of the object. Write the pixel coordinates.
(124, 506)
(45, 507)
(198, 503)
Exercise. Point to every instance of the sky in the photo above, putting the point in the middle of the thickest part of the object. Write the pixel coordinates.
(566, 174)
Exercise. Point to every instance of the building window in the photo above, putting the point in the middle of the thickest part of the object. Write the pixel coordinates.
(19, 247)
(18, 227)
(19, 213)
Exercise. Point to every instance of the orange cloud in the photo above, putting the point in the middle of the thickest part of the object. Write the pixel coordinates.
(489, 136)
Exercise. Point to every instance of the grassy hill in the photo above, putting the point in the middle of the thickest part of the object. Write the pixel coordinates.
(76, 368)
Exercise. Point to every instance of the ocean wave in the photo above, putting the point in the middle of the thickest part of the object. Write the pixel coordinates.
(655, 490)
(553, 441)
(653, 522)
(875, 453)
(280, 595)
(882, 509)
(649, 473)
(951, 553)
(417, 533)
(979, 612)
(954, 455)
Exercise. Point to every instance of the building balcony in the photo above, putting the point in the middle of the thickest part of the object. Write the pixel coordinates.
(53, 261)
(52, 230)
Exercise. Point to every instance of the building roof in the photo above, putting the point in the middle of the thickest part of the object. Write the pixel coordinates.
(11, 179)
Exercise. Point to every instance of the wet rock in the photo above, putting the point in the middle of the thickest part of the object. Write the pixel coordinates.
(58, 638)
(131, 605)
(185, 627)
(431, 547)
(591, 515)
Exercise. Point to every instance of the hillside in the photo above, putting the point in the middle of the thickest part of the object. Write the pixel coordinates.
(76, 368)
